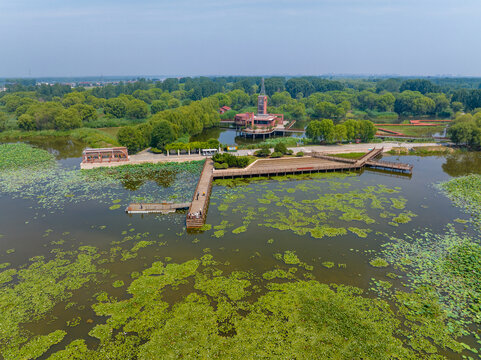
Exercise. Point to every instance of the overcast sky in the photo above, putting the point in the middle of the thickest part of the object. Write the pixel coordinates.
(239, 37)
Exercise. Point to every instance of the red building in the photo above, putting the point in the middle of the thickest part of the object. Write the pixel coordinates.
(224, 109)
(262, 119)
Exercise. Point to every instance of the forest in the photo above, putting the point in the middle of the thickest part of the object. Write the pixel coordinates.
(158, 113)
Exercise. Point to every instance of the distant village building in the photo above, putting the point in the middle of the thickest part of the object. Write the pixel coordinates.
(262, 119)
(224, 109)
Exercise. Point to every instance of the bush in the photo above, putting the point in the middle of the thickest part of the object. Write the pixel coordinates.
(300, 154)
(280, 148)
(230, 161)
(263, 152)
(276, 154)
(26, 122)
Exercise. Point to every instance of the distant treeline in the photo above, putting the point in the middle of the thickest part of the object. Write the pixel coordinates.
(189, 105)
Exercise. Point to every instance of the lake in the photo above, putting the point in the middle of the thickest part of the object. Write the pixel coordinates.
(334, 223)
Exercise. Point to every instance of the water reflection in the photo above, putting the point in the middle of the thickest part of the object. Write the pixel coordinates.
(462, 164)
(229, 136)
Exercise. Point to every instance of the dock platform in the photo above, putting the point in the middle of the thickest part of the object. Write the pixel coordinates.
(155, 208)
(316, 162)
(200, 201)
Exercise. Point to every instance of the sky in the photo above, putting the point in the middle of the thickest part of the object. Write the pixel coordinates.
(239, 37)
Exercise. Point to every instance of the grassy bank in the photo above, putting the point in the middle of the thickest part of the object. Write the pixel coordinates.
(422, 151)
(415, 131)
(91, 137)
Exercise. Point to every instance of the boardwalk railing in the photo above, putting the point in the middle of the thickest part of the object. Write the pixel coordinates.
(276, 171)
(165, 207)
(200, 201)
(390, 165)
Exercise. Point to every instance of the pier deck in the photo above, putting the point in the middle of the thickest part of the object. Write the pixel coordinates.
(317, 162)
(162, 208)
(198, 208)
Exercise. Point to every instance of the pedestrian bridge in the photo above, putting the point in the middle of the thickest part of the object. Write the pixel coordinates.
(155, 208)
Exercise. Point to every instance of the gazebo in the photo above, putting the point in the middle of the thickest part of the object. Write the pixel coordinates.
(114, 154)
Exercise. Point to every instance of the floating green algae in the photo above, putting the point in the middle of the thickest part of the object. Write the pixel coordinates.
(118, 283)
(34, 293)
(379, 262)
(314, 213)
(465, 192)
(442, 271)
(20, 155)
(31, 173)
(230, 315)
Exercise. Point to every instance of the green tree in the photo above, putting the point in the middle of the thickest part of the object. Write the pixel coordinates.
(457, 106)
(239, 99)
(3, 121)
(132, 138)
(158, 106)
(162, 134)
(339, 132)
(320, 130)
(352, 129)
(264, 151)
(280, 148)
(367, 130)
(68, 119)
(326, 109)
(26, 122)
(137, 109)
(115, 107)
(44, 114)
(86, 112)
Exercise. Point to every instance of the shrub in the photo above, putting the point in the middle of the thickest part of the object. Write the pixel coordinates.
(280, 148)
(276, 154)
(300, 154)
(230, 160)
(218, 165)
(26, 122)
(263, 152)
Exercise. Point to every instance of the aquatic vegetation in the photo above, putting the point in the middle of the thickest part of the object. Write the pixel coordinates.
(379, 262)
(20, 155)
(359, 232)
(465, 192)
(38, 177)
(35, 291)
(312, 212)
(239, 230)
(443, 270)
(328, 264)
(217, 320)
(118, 283)
(218, 233)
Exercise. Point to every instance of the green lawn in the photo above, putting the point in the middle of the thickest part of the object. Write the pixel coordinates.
(417, 131)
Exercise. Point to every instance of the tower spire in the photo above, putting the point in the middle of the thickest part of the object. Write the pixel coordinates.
(263, 88)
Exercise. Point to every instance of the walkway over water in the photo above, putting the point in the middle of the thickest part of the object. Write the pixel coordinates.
(152, 208)
(200, 202)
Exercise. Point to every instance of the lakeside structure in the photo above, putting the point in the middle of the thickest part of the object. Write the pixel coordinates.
(261, 123)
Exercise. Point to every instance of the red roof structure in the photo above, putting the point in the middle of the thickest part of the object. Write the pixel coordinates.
(224, 109)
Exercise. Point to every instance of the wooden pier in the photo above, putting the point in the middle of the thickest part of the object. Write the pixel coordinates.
(155, 208)
(200, 201)
(317, 162)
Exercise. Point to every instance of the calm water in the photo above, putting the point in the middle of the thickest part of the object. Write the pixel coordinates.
(228, 136)
(90, 222)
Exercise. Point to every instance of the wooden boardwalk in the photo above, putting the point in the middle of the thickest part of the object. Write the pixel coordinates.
(200, 202)
(162, 208)
(318, 162)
